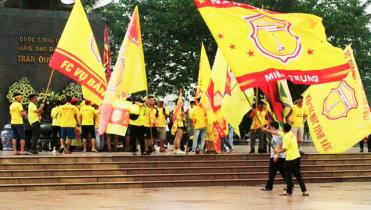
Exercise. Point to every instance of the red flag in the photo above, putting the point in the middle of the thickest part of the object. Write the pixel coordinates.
(107, 54)
(271, 90)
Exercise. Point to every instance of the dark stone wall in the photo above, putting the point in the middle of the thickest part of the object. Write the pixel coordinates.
(27, 40)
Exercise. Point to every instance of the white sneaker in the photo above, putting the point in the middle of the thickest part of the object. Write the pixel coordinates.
(180, 152)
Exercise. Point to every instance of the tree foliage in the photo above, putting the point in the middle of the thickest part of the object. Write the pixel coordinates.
(172, 32)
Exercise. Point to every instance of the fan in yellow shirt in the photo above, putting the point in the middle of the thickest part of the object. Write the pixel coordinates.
(56, 123)
(87, 116)
(136, 127)
(290, 147)
(34, 116)
(259, 119)
(179, 131)
(149, 121)
(69, 121)
(163, 114)
(296, 117)
(16, 113)
(198, 118)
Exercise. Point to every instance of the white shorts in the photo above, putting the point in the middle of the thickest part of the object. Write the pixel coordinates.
(298, 132)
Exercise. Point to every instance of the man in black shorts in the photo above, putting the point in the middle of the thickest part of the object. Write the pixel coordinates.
(149, 121)
(16, 115)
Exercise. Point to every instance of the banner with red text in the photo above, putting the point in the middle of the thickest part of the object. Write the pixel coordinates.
(339, 115)
(262, 46)
(77, 56)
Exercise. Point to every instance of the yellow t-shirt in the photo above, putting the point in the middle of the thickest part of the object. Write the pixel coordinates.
(161, 119)
(68, 113)
(291, 145)
(198, 115)
(149, 118)
(55, 114)
(15, 113)
(32, 115)
(261, 115)
(87, 114)
(298, 116)
(139, 121)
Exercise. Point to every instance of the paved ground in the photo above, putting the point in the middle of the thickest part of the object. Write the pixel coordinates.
(238, 149)
(329, 196)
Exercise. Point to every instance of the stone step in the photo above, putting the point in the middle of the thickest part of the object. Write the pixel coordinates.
(169, 177)
(171, 170)
(151, 164)
(123, 157)
(153, 184)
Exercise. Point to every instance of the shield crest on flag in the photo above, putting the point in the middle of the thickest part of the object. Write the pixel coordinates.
(274, 38)
(339, 101)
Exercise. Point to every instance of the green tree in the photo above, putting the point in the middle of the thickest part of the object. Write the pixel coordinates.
(172, 32)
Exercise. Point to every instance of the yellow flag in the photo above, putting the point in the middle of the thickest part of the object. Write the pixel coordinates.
(77, 56)
(177, 113)
(285, 96)
(261, 46)
(204, 73)
(129, 75)
(218, 87)
(339, 115)
(235, 105)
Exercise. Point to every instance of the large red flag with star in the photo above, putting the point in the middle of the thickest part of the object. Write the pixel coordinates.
(263, 46)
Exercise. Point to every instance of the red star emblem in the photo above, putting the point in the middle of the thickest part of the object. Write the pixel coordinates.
(220, 36)
(310, 52)
(232, 46)
(250, 53)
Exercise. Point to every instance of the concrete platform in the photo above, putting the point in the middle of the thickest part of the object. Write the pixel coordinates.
(329, 196)
(238, 149)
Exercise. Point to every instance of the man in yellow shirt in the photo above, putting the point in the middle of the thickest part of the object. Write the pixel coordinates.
(87, 118)
(259, 117)
(34, 116)
(292, 161)
(198, 118)
(136, 127)
(69, 121)
(163, 114)
(56, 123)
(149, 121)
(296, 117)
(16, 115)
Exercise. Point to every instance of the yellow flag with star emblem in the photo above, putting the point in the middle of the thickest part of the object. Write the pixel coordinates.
(338, 112)
(261, 46)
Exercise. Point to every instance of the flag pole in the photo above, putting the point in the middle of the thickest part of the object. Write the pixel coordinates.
(48, 86)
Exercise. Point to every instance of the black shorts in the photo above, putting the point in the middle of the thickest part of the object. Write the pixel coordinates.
(86, 130)
(136, 131)
(150, 130)
(18, 132)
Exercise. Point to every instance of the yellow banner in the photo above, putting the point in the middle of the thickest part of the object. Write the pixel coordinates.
(77, 56)
(339, 115)
(261, 46)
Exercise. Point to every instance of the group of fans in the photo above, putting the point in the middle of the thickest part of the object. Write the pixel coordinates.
(151, 123)
(150, 127)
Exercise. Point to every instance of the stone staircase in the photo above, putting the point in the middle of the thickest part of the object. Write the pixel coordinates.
(114, 171)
